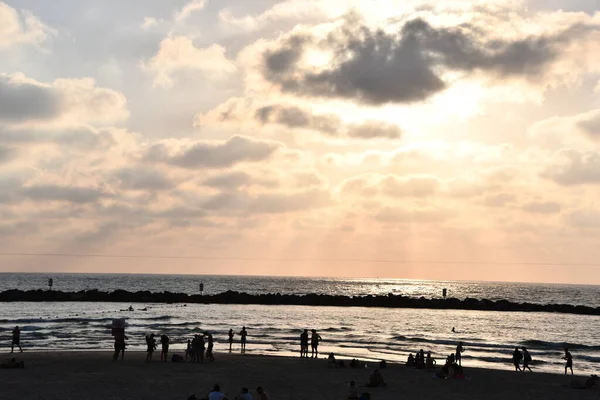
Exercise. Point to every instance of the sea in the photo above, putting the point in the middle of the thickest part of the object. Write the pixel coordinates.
(372, 334)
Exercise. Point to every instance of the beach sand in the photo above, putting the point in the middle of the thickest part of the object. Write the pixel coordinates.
(94, 375)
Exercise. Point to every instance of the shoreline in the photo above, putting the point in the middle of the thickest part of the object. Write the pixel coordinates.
(232, 297)
(94, 375)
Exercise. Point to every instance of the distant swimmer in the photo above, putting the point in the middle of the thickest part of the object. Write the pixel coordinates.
(569, 358)
(453, 331)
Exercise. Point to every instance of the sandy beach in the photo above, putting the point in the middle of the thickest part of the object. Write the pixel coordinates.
(94, 375)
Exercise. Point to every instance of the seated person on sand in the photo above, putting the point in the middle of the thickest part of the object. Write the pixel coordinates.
(376, 380)
(355, 363)
(410, 362)
(262, 395)
(331, 360)
(589, 383)
(215, 394)
(12, 364)
(353, 393)
(429, 361)
(244, 395)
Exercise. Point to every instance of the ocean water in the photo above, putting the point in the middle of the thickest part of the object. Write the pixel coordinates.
(368, 333)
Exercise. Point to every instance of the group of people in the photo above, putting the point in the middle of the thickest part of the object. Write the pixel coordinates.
(216, 394)
(420, 361)
(196, 347)
(152, 346)
(518, 356)
(315, 338)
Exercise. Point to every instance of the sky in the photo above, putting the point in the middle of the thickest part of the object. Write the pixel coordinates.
(383, 138)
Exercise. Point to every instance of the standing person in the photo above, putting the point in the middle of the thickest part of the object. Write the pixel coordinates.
(151, 344)
(569, 358)
(304, 343)
(16, 339)
(262, 395)
(119, 344)
(188, 351)
(315, 338)
(230, 334)
(459, 350)
(209, 350)
(164, 341)
(516, 357)
(526, 360)
(201, 347)
(244, 335)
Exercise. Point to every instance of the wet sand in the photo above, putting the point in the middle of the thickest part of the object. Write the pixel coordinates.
(94, 375)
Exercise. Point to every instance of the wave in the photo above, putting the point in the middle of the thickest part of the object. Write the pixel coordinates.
(558, 345)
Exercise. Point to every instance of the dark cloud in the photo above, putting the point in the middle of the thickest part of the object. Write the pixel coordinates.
(378, 67)
(575, 168)
(21, 100)
(328, 124)
(236, 150)
(296, 117)
(72, 194)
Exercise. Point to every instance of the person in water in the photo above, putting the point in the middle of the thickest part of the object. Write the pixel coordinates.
(516, 358)
(569, 358)
(16, 339)
(164, 341)
(526, 360)
(230, 334)
(314, 343)
(243, 335)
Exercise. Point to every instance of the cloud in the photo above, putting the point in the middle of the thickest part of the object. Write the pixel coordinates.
(392, 185)
(296, 117)
(21, 27)
(572, 131)
(410, 65)
(396, 215)
(268, 203)
(374, 129)
(238, 149)
(328, 124)
(72, 194)
(142, 178)
(189, 8)
(542, 207)
(62, 102)
(571, 167)
(178, 54)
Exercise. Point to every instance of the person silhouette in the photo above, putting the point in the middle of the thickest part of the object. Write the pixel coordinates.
(16, 339)
(243, 335)
(315, 338)
(304, 344)
(569, 358)
(230, 334)
(459, 350)
(516, 358)
(526, 360)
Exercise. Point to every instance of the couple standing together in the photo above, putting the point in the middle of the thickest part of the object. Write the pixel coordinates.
(314, 343)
